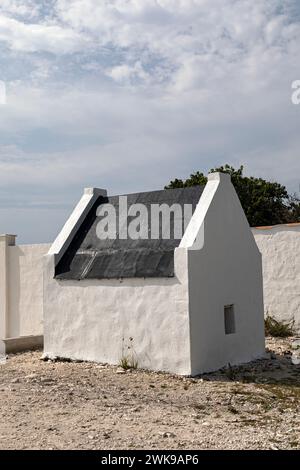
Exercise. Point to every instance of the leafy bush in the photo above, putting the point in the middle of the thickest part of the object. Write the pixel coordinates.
(278, 329)
(264, 202)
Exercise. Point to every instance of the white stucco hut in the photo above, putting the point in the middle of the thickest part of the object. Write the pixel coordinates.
(186, 305)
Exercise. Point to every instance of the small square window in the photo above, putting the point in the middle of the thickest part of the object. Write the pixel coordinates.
(229, 319)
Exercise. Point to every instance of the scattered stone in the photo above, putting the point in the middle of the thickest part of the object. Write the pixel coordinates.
(120, 370)
(296, 344)
(15, 381)
(31, 377)
(47, 357)
(135, 410)
(296, 352)
(46, 380)
(168, 434)
(51, 428)
(296, 358)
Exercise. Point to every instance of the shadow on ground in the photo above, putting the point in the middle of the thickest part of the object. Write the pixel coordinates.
(276, 369)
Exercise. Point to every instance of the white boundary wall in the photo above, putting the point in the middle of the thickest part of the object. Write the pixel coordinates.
(280, 248)
(21, 292)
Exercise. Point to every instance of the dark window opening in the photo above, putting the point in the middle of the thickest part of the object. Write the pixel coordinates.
(229, 319)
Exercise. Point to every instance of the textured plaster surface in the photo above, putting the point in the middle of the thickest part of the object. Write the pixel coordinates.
(95, 319)
(25, 290)
(226, 271)
(280, 248)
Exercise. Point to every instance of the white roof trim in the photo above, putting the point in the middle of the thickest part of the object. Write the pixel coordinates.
(64, 238)
(193, 237)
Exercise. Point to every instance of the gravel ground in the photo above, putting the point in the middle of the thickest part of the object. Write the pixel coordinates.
(63, 405)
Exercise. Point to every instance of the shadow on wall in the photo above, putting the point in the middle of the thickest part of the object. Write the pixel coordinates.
(14, 288)
(122, 282)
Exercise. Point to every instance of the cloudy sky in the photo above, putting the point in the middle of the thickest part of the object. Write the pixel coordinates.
(128, 94)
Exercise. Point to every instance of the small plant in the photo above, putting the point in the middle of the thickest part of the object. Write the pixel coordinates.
(128, 359)
(278, 329)
(124, 363)
(232, 410)
(230, 372)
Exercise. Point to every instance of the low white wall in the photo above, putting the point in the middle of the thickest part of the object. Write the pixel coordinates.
(25, 290)
(21, 284)
(280, 248)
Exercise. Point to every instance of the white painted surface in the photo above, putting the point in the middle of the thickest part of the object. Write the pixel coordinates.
(280, 248)
(64, 238)
(91, 319)
(25, 290)
(21, 288)
(3, 286)
(194, 234)
(177, 325)
(5, 242)
(226, 271)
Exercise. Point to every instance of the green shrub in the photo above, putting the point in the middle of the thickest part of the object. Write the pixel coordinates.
(278, 329)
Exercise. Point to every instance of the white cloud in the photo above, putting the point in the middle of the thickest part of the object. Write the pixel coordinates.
(186, 35)
(28, 37)
(126, 74)
(127, 94)
(22, 8)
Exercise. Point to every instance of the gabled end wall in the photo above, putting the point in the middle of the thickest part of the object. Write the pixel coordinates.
(225, 270)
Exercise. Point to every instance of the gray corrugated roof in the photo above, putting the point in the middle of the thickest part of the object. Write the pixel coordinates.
(88, 257)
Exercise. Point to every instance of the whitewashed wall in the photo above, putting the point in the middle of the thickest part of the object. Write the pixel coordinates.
(280, 248)
(94, 319)
(25, 290)
(21, 279)
(226, 270)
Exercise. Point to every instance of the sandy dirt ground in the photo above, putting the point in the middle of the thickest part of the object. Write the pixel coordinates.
(63, 405)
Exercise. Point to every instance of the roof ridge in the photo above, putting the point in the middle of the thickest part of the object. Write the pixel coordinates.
(157, 191)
